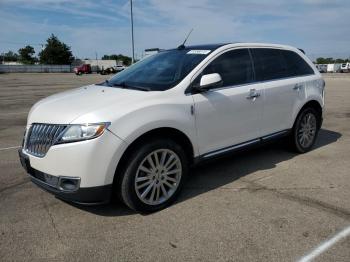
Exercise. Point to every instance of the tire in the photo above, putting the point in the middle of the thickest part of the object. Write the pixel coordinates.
(309, 121)
(140, 174)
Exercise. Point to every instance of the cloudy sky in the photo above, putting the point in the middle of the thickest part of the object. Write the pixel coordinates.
(320, 27)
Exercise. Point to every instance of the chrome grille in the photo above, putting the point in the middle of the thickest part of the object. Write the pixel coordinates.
(41, 137)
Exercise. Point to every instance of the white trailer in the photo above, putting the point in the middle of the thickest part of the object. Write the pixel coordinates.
(333, 68)
(345, 67)
(337, 68)
(330, 68)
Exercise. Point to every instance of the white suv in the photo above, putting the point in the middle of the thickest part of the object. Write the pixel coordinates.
(137, 134)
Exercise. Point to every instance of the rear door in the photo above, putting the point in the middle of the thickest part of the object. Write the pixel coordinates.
(281, 89)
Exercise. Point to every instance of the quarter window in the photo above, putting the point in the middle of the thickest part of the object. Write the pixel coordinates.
(297, 66)
(235, 67)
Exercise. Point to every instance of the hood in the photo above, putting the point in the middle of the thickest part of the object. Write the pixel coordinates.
(65, 107)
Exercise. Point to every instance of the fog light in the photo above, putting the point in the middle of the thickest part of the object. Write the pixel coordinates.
(69, 183)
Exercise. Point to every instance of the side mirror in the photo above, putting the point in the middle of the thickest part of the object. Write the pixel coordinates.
(209, 81)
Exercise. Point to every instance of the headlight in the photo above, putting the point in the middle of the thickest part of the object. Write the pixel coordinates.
(74, 133)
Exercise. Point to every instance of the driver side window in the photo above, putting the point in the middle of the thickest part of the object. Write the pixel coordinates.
(235, 67)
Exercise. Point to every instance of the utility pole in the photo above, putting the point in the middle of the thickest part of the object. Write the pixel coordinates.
(132, 34)
(97, 68)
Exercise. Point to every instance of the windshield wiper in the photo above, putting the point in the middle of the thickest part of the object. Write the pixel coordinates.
(126, 86)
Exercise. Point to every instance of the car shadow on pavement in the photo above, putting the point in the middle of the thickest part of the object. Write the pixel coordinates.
(219, 172)
(113, 209)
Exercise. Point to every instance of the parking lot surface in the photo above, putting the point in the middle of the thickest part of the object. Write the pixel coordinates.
(266, 204)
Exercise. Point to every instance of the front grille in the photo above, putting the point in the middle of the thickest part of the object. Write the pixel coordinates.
(41, 137)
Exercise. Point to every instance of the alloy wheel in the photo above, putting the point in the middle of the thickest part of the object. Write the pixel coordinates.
(307, 130)
(158, 176)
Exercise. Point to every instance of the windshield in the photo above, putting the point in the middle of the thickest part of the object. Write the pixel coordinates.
(159, 72)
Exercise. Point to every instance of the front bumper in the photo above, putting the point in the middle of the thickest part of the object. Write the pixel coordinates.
(84, 196)
(93, 161)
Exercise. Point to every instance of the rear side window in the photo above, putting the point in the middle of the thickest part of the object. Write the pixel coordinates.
(235, 67)
(273, 64)
(269, 64)
(297, 66)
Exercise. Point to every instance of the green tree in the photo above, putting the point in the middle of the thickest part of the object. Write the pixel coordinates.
(125, 59)
(322, 60)
(330, 60)
(55, 52)
(340, 61)
(10, 56)
(26, 55)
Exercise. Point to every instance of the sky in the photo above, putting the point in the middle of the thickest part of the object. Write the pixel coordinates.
(320, 27)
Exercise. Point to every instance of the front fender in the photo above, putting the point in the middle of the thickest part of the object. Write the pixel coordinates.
(138, 122)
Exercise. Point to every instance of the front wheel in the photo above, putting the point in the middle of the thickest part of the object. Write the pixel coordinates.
(154, 176)
(305, 130)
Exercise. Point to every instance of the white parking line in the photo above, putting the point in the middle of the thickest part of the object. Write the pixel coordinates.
(326, 245)
(11, 147)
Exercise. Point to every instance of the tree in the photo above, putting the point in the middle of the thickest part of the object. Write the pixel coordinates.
(340, 61)
(26, 55)
(9, 57)
(322, 60)
(55, 52)
(331, 60)
(125, 59)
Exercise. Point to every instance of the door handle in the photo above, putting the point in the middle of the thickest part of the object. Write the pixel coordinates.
(253, 94)
(297, 87)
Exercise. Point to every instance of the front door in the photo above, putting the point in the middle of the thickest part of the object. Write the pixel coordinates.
(231, 114)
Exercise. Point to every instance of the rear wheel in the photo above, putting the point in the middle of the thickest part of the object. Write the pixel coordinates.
(305, 130)
(154, 176)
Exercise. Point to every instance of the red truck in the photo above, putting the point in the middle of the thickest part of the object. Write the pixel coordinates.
(83, 69)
